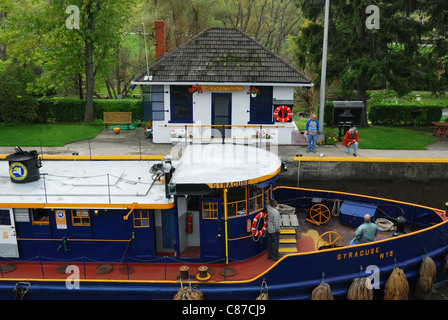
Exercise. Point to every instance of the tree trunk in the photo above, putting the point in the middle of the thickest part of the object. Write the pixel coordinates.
(3, 56)
(361, 87)
(90, 82)
(362, 96)
(81, 89)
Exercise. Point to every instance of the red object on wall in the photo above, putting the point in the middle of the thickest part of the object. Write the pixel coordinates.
(189, 223)
(159, 27)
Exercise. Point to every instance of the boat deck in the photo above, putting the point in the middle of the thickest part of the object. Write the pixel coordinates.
(163, 269)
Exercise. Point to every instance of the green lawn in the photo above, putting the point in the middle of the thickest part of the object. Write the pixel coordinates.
(50, 135)
(394, 138)
(387, 138)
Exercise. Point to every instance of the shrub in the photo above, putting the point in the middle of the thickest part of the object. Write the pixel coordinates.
(400, 115)
(61, 110)
(16, 104)
(72, 110)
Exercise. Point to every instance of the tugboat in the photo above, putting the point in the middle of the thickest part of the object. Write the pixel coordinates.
(145, 229)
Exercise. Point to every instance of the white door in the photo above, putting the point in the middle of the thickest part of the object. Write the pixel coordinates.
(8, 236)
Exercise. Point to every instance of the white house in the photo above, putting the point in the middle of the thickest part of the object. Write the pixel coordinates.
(222, 66)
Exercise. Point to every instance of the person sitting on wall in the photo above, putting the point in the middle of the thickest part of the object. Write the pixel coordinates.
(351, 139)
(365, 232)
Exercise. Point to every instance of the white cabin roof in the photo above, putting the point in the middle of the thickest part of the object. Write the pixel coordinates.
(121, 184)
(225, 165)
(87, 183)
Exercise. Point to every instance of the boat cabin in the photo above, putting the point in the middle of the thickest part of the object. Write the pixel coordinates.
(193, 208)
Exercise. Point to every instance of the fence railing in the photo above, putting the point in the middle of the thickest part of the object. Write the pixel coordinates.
(223, 133)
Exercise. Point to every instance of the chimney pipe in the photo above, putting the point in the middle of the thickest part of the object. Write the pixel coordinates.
(159, 27)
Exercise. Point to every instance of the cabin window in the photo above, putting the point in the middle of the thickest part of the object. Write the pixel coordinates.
(141, 218)
(181, 104)
(209, 210)
(5, 219)
(267, 194)
(236, 202)
(40, 217)
(80, 218)
(255, 198)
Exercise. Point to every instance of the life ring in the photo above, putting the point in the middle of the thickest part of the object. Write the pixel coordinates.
(255, 231)
(283, 114)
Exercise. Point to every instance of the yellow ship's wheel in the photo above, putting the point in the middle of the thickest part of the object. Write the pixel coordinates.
(319, 214)
(330, 238)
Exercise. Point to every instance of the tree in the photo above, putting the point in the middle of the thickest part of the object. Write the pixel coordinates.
(361, 58)
(90, 49)
(16, 104)
(437, 39)
(267, 21)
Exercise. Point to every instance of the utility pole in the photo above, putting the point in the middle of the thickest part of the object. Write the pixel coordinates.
(324, 71)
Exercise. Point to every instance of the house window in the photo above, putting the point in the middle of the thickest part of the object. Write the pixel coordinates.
(80, 218)
(40, 217)
(181, 104)
(261, 107)
(141, 218)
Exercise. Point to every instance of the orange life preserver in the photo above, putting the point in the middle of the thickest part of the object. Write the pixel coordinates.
(259, 216)
(283, 114)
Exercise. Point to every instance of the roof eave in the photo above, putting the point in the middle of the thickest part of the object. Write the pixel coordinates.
(271, 84)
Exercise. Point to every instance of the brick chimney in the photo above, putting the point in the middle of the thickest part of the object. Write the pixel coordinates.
(159, 27)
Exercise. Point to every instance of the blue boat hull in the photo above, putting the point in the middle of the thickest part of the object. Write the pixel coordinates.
(294, 276)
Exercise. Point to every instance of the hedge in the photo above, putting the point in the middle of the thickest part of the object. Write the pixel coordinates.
(393, 115)
(400, 115)
(72, 110)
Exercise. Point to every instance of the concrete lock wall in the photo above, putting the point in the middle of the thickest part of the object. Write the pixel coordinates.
(349, 171)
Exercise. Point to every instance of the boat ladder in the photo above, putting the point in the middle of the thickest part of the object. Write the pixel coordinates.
(288, 241)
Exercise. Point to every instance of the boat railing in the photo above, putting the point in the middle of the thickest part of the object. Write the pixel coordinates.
(44, 267)
(115, 148)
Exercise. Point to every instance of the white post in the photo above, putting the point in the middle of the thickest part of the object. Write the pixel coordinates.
(324, 71)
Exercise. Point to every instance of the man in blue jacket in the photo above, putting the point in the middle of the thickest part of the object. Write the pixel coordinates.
(312, 130)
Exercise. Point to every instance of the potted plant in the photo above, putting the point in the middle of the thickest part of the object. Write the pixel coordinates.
(148, 129)
(253, 92)
(196, 88)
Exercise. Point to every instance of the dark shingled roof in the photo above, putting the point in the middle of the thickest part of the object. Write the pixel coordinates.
(223, 55)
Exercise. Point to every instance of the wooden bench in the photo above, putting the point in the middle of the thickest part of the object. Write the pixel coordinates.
(110, 118)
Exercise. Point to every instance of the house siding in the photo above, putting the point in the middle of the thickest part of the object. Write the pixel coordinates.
(202, 115)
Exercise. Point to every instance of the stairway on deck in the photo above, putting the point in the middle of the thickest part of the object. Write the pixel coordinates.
(288, 234)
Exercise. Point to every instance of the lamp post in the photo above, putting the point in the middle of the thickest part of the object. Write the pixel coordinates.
(324, 71)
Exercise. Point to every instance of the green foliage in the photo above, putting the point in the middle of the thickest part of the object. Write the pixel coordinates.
(121, 105)
(72, 110)
(400, 115)
(362, 59)
(16, 105)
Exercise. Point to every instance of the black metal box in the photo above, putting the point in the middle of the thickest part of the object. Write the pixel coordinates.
(347, 113)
